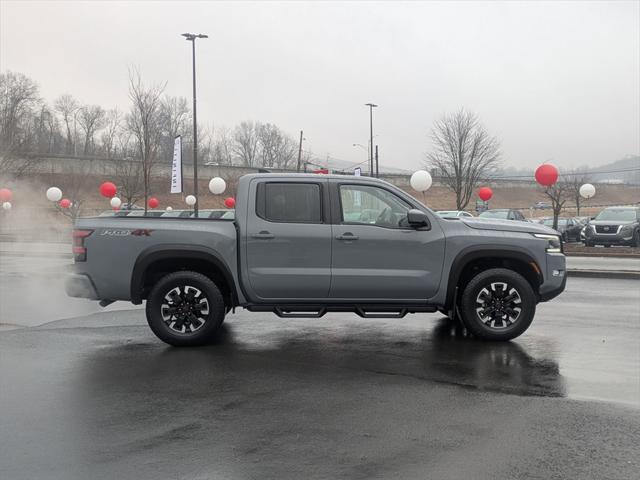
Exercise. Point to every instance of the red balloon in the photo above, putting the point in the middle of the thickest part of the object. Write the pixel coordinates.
(108, 189)
(230, 202)
(5, 195)
(546, 174)
(153, 202)
(485, 193)
(64, 203)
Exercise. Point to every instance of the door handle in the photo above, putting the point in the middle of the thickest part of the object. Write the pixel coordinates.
(264, 235)
(347, 236)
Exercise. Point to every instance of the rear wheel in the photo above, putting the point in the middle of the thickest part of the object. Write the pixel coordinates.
(635, 241)
(185, 309)
(498, 304)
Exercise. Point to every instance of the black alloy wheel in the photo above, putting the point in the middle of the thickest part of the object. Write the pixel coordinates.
(185, 309)
(498, 304)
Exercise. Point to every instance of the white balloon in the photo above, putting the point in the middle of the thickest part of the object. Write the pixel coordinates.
(190, 200)
(421, 181)
(115, 202)
(587, 190)
(6, 205)
(217, 185)
(54, 194)
(169, 209)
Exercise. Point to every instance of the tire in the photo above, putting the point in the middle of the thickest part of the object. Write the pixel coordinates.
(185, 309)
(607, 245)
(635, 241)
(565, 237)
(488, 287)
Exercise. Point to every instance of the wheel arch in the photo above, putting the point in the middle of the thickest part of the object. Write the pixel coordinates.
(472, 258)
(157, 261)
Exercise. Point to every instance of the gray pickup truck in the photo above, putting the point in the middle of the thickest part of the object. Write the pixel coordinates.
(303, 245)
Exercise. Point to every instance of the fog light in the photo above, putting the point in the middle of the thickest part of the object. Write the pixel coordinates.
(557, 273)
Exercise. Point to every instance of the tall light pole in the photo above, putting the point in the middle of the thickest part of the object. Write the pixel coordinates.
(371, 106)
(191, 37)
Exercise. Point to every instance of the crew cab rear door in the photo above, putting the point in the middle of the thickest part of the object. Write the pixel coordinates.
(288, 239)
(376, 255)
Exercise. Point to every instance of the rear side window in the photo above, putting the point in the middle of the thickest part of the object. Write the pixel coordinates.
(289, 202)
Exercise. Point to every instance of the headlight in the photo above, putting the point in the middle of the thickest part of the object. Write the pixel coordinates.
(554, 244)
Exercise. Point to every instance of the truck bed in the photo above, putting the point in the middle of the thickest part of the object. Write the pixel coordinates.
(117, 243)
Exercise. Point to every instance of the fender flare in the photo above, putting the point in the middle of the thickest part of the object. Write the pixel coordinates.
(171, 252)
(469, 254)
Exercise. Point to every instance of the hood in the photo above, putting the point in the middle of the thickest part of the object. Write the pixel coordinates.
(611, 222)
(506, 225)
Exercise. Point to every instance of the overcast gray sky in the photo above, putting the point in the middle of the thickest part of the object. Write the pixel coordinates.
(553, 80)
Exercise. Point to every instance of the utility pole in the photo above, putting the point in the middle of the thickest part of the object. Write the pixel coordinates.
(299, 152)
(371, 106)
(191, 37)
(377, 172)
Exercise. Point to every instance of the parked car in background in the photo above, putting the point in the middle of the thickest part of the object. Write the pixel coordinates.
(453, 213)
(503, 213)
(568, 227)
(541, 205)
(614, 226)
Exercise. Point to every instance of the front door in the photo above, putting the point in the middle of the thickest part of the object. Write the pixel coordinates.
(376, 255)
(288, 242)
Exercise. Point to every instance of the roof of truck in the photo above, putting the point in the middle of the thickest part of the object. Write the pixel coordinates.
(313, 175)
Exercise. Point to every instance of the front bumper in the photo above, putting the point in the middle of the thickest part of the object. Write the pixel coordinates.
(621, 237)
(555, 279)
(80, 285)
(615, 239)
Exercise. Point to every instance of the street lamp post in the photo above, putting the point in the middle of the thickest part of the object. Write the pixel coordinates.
(371, 106)
(191, 37)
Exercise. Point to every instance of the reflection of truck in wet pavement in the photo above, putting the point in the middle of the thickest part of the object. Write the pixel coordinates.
(304, 245)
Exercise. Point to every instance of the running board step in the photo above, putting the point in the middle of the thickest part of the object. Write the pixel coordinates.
(364, 311)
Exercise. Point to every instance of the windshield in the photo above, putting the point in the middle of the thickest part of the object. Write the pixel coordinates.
(494, 214)
(549, 222)
(618, 214)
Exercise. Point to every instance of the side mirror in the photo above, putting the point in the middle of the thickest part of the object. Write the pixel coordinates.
(417, 218)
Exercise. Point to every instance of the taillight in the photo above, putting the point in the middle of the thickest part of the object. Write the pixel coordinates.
(79, 250)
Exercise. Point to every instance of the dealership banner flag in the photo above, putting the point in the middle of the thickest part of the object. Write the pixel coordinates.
(176, 169)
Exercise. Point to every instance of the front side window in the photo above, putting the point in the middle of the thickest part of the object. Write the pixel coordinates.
(289, 202)
(373, 206)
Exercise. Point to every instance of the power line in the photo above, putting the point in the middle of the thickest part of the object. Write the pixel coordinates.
(573, 174)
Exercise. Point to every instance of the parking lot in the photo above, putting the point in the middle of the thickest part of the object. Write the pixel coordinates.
(91, 393)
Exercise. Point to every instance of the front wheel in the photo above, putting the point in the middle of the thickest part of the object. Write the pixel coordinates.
(185, 309)
(498, 304)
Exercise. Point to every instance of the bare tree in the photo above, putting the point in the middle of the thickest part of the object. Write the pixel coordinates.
(74, 185)
(276, 147)
(246, 143)
(175, 115)
(129, 177)
(68, 108)
(112, 126)
(18, 98)
(575, 180)
(91, 119)
(144, 122)
(222, 152)
(463, 154)
(558, 194)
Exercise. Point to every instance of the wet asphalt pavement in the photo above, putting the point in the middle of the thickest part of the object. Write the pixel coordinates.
(98, 396)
